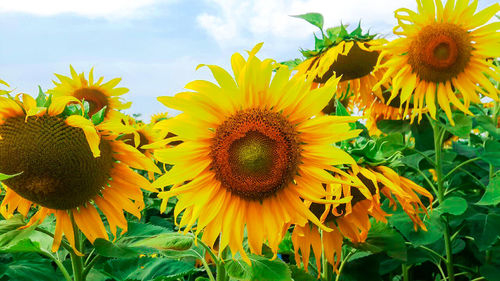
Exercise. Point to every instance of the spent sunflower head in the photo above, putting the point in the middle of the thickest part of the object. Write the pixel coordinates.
(67, 167)
(351, 220)
(442, 56)
(98, 95)
(254, 146)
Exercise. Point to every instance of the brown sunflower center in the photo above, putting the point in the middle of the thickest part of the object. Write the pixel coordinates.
(130, 139)
(57, 165)
(255, 153)
(355, 64)
(97, 100)
(440, 52)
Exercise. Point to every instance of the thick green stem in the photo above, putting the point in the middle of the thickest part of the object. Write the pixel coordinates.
(76, 260)
(438, 145)
(406, 274)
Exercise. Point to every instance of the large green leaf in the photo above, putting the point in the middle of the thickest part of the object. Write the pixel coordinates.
(484, 228)
(146, 268)
(492, 194)
(11, 234)
(434, 225)
(261, 269)
(491, 153)
(28, 267)
(393, 126)
(382, 238)
(168, 241)
(116, 249)
(453, 205)
(463, 125)
(6, 177)
(299, 274)
(487, 123)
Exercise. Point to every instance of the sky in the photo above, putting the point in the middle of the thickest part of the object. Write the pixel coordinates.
(155, 45)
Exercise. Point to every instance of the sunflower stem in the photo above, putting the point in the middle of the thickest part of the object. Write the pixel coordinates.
(342, 264)
(438, 146)
(405, 270)
(76, 260)
(59, 264)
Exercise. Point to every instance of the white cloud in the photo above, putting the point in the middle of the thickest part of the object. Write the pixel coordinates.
(90, 8)
(240, 22)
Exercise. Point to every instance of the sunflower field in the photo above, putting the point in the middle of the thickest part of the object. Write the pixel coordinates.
(361, 159)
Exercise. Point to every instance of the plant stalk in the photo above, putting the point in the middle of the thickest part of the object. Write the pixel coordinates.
(76, 260)
(438, 146)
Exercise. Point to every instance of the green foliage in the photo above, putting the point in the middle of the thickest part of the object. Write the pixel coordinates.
(261, 269)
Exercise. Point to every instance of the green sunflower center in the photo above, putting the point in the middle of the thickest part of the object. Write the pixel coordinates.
(97, 100)
(440, 52)
(355, 64)
(57, 165)
(255, 153)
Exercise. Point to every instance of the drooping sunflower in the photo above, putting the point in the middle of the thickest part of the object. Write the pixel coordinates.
(351, 220)
(67, 168)
(442, 55)
(254, 146)
(98, 94)
(351, 56)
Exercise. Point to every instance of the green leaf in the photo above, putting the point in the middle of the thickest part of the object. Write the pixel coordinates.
(29, 267)
(168, 241)
(147, 268)
(487, 123)
(11, 234)
(299, 274)
(357, 32)
(463, 125)
(262, 269)
(291, 63)
(453, 206)
(116, 250)
(333, 32)
(340, 109)
(343, 32)
(491, 153)
(315, 19)
(492, 194)
(434, 224)
(485, 228)
(382, 238)
(490, 272)
(21, 246)
(393, 126)
(424, 137)
(98, 117)
(41, 98)
(318, 43)
(6, 177)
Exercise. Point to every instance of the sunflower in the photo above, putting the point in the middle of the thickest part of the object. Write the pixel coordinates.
(443, 55)
(97, 94)
(68, 168)
(254, 147)
(351, 220)
(352, 56)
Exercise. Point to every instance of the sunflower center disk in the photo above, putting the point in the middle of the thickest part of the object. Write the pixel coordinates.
(255, 153)
(96, 99)
(440, 52)
(356, 64)
(57, 165)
